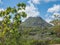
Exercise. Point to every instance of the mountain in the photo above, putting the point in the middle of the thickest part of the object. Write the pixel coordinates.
(36, 27)
(35, 22)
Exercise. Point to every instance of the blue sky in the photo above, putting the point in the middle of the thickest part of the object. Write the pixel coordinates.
(43, 8)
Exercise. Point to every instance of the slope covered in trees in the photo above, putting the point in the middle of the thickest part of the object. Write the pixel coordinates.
(34, 31)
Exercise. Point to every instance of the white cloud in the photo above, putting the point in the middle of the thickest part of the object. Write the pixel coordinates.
(35, 1)
(1, 18)
(55, 8)
(56, 14)
(52, 17)
(51, 0)
(31, 11)
(21, 11)
(1, 9)
(39, 1)
(48, 20)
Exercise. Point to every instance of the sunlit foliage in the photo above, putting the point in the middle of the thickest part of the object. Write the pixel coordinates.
(9, 30)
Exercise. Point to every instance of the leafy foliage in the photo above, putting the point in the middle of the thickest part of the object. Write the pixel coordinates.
(9, 34)
(56, 26)
(34, 31)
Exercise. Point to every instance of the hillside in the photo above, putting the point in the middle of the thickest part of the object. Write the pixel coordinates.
(35, 22)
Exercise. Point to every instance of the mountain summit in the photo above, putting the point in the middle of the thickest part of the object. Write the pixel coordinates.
(35, 22)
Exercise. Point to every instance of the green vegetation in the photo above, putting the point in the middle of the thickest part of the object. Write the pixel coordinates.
(9, 33)
(34, 31)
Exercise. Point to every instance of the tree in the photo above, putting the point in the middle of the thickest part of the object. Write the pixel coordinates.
(9, 31)
(56, 21)
(56, 26)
